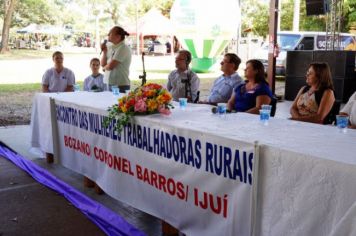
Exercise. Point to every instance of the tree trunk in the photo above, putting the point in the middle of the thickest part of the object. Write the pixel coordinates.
(9, 7)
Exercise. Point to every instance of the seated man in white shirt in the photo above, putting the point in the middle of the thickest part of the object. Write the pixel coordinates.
(350, 110)
(182, 82)
(223, 86)
(58, 78)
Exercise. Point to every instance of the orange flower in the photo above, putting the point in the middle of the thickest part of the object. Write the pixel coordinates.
(164, 98)
(149, 93)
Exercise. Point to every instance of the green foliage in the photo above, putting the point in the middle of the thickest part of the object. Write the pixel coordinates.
(2, 9)
(306, 23)
(117, 119)
(254, 15)
(350, 14)
(316, 23)
(310, 23)
(287, 15)
(144, 6)
(35, 11)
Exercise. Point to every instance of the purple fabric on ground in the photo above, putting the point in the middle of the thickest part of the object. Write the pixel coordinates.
(107, 220)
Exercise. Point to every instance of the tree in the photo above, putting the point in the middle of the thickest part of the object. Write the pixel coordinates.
(350, 15)
(255, 16)
(22, 13)
(311, 23)
(317, 23)
(113, 10)
(35, 11)
(286, 13)
(144, 6)
(9, 7)
(307, 23)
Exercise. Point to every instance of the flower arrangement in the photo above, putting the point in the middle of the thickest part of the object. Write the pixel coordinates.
(147, 99)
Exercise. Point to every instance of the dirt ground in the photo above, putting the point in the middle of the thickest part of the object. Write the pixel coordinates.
(16, 106)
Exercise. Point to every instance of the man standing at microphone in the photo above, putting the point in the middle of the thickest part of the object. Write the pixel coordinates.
(116, 59)
(182, 82)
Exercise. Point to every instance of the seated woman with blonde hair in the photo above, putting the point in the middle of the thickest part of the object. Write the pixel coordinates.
(251, 95)
(314, 101)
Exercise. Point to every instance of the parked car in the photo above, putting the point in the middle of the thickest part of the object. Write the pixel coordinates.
(290, 41)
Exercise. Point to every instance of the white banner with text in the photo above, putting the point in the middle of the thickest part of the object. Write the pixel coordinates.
(201, 183)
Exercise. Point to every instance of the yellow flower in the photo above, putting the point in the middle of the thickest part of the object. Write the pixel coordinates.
(123, 109)
(152, 105)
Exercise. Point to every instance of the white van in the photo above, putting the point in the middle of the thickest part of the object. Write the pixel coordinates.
(290, 41)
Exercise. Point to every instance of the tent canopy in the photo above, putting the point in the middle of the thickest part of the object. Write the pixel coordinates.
(152, 23)
(41, 29)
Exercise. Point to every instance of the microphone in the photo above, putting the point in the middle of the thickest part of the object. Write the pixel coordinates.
(184, 81)
(102, 45)
(214, 110)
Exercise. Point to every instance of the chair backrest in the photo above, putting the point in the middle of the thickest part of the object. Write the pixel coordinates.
(273, 103)
(331, 117)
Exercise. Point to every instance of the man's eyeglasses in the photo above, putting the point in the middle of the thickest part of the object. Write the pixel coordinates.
(223, 62)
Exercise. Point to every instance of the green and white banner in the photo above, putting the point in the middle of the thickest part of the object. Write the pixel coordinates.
(205, 28)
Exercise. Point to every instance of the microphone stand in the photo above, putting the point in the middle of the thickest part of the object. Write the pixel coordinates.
(188, 88)
(143, 77)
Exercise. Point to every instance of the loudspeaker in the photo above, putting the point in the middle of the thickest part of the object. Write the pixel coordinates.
(317, 7)
(342, 66)
(342, 63)
(292, 86)
(344, 88)
(298, 62)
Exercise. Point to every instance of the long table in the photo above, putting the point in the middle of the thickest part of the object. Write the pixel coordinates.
(304, 183)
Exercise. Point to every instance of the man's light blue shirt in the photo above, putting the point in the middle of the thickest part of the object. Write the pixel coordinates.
(222, 88)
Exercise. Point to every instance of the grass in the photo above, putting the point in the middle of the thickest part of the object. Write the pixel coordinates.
(15, 88)
(15, 54)
(157, 71)
(16, 99)
(18, 88)
(36, 87)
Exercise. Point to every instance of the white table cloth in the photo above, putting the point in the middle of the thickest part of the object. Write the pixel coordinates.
(307, 173)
